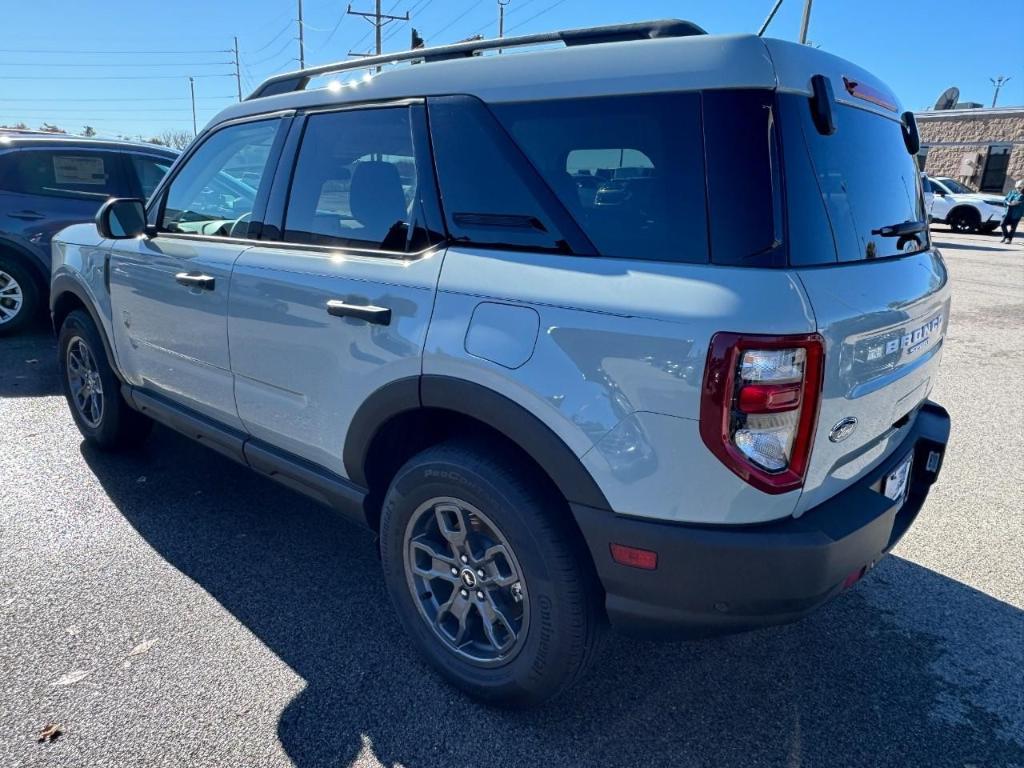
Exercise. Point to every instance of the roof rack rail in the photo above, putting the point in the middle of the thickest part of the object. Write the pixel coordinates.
(289, 82)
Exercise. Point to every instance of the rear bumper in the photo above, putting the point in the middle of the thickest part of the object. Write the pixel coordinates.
(721, 579)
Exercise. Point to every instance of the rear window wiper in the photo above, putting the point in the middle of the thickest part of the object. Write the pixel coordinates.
(901, 230)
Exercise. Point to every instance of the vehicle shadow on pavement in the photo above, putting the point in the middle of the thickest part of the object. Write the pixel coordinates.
(28, 364)
(970, 246)
(906, 669)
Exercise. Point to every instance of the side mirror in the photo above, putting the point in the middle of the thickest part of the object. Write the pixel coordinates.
(121, 218)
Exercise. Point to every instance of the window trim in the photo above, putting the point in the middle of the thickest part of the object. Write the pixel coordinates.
(276, 211)
(157, 203)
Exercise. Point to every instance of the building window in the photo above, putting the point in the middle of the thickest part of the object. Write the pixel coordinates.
(994, 176)
(922, 158)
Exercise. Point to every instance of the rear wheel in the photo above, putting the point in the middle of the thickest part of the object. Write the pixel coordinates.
(488, 576)
(92, 390)
(19, 296)
(965, 220)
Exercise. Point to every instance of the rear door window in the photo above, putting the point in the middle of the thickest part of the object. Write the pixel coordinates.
(149, 171)
(629, 169)
(81, 174)
(357, 183)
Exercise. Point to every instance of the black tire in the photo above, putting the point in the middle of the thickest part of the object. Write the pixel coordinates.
(965, 220)
(112, 425)
(559, 591)
(20, 308)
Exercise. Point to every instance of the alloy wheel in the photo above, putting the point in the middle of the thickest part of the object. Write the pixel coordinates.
(85, 382)
(466, 581)
(11, 297)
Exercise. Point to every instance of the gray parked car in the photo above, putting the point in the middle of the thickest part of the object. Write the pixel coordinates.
(695, 404)
(48, 182)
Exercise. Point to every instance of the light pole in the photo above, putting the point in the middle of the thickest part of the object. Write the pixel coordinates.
(805, 22)
(998, 82)
(501, 18)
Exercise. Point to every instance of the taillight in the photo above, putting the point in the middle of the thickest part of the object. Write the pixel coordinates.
(759, 405)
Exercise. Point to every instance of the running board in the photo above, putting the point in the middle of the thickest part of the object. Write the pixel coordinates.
(290, 470)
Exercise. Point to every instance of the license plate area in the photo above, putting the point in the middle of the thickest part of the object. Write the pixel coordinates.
(896, 482)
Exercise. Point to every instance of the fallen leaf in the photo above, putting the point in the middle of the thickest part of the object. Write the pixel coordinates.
(142, 647)
(49, 733)
(73, 677)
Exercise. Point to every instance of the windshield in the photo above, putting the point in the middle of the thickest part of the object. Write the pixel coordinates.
(860, 183)
(956, 187)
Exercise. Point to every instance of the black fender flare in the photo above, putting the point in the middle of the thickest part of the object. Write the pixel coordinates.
(476, 401)
(65, 284)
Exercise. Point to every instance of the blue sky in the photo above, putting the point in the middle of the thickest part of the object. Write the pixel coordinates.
(123, 67)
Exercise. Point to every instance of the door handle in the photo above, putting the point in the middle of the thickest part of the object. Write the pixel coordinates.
(26, 215)
(202, 282)
(375, 315)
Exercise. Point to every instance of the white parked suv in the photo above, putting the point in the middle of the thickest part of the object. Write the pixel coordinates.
(649, 343)
(964, 210)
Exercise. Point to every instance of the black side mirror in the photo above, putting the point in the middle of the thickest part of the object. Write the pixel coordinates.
(823, 105)
(121, 218)
(910, 135)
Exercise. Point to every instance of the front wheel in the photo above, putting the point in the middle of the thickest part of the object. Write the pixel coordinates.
(965, 220)
(92, 390)
(488, 576)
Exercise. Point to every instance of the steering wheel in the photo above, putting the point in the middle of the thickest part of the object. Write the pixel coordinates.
(235, 229)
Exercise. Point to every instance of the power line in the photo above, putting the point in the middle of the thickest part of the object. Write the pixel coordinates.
(108, 52)
(475, 4)
(538, 14)
(274, 39)
(108, 77)
(133, 65)
(378, 20)
(285, 47)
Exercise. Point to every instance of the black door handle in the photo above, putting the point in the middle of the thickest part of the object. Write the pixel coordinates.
(26, 215)
(203, 282)
(375, 315)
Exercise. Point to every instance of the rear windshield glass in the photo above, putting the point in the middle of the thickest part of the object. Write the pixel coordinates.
(629, 169)
(865, 179)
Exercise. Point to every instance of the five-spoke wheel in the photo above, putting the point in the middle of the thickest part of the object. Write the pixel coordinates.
(84, 381)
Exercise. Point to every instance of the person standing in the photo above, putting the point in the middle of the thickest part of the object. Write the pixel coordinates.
(1014, 211)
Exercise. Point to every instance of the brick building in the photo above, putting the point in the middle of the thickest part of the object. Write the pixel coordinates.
(983, 148)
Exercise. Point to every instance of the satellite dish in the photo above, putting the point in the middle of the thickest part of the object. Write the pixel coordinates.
(948, 99)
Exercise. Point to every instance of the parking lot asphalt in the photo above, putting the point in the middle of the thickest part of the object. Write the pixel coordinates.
(171, 608)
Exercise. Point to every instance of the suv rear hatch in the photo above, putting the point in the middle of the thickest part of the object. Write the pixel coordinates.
(880, 299)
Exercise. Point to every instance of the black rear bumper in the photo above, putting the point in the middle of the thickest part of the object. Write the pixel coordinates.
(720, 579)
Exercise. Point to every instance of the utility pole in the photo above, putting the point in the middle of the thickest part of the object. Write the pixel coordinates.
(805, 22)
(238, 71)
(192, 87)
(379, 20)
(998, 82)
(302, 41)
(501, 18)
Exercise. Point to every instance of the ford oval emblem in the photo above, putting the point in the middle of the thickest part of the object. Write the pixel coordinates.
(843, 429)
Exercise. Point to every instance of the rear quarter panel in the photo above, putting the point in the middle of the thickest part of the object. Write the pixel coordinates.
(616, 364)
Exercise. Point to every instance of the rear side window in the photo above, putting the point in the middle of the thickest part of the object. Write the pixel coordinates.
(62, 173)
(357, 182)
(630, 169)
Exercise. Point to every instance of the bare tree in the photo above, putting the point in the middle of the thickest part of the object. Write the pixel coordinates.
(50, 128)
(88, 131)
(175, 139)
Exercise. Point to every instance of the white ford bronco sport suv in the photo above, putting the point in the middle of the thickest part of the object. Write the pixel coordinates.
(638, 330)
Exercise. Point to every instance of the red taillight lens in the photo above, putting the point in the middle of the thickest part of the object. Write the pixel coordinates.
(759, 405)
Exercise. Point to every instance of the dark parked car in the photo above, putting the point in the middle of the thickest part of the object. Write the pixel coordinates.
(48, 182)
